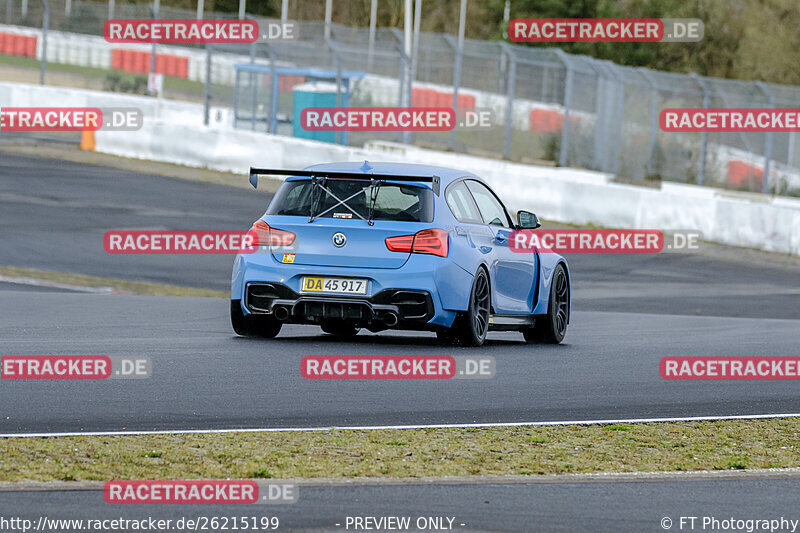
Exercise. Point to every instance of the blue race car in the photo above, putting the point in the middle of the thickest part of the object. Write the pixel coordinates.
(347, 246)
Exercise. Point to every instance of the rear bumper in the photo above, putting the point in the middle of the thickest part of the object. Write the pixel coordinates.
(390, 308)
(445, 284)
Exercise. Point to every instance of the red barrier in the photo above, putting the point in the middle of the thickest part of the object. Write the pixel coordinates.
(138, 62)
(546, 121)
(744, 174)
(182, 67)
(161, 64)
(116, 58)
(14, 44)
(424, 97)
(141, 61)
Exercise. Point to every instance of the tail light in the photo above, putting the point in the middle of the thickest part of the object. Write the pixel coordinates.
(427, 241)
(263, 235)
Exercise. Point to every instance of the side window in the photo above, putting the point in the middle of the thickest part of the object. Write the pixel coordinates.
(461, 203)
(491, 209)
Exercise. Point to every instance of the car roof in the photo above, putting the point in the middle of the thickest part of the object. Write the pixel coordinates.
(446, 175)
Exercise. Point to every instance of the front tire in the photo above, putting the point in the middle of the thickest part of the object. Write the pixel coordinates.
(552, 327)
(471, 327)
(253, 325)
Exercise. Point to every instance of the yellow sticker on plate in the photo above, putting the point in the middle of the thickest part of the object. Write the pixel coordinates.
(288, 258)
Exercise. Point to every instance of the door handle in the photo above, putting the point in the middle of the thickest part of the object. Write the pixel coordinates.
(461, 231)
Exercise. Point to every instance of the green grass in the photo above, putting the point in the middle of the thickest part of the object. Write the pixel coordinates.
(410, 453)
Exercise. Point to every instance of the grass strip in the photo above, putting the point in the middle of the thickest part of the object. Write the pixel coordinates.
(409, 453)
(136, 287)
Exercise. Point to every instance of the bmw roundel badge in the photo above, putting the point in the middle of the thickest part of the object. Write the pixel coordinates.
(339, 239)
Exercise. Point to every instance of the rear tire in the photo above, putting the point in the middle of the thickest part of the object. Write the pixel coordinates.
(253, 325)
(552, 327)
(470, 328)
(339, 328)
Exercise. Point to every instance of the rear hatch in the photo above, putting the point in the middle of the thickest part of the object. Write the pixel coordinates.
(339, 234)
(364, 245)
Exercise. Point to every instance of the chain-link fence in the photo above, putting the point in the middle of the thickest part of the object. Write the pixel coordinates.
(546, 106)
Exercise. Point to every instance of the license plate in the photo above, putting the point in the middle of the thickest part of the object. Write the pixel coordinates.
(335, 285)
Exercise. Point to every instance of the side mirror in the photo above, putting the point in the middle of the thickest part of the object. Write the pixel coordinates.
(527, 220)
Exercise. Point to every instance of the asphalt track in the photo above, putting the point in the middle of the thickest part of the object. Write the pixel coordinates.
(629, 312)
(567, 505)
(204, 377)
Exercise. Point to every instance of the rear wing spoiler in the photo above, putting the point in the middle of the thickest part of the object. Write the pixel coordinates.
(364, 176)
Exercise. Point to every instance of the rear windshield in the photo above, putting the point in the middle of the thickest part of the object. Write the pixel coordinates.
(394, 202)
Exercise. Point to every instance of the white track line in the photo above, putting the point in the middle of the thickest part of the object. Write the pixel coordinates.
(414, 426)
(55, 285)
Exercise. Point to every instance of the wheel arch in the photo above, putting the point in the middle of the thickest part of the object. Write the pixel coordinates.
(483, 266)
(563, 263)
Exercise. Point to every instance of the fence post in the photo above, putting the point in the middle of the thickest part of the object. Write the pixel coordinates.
(338, 62)
(236, 85)
(601, 113)
(45, 24)
(651, 146)
(273, 101)
(562, 156)
(701, 174)
(154, 15)
(253, 97)
(616, 163)
(402, 91)
(253, 79)
(462, 20)
(768, 139)
(373, 15)
(207, 87)
(508, 51)
(337, 65)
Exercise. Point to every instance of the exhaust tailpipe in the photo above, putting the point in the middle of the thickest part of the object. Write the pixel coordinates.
(281, 313)
(390, 319)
